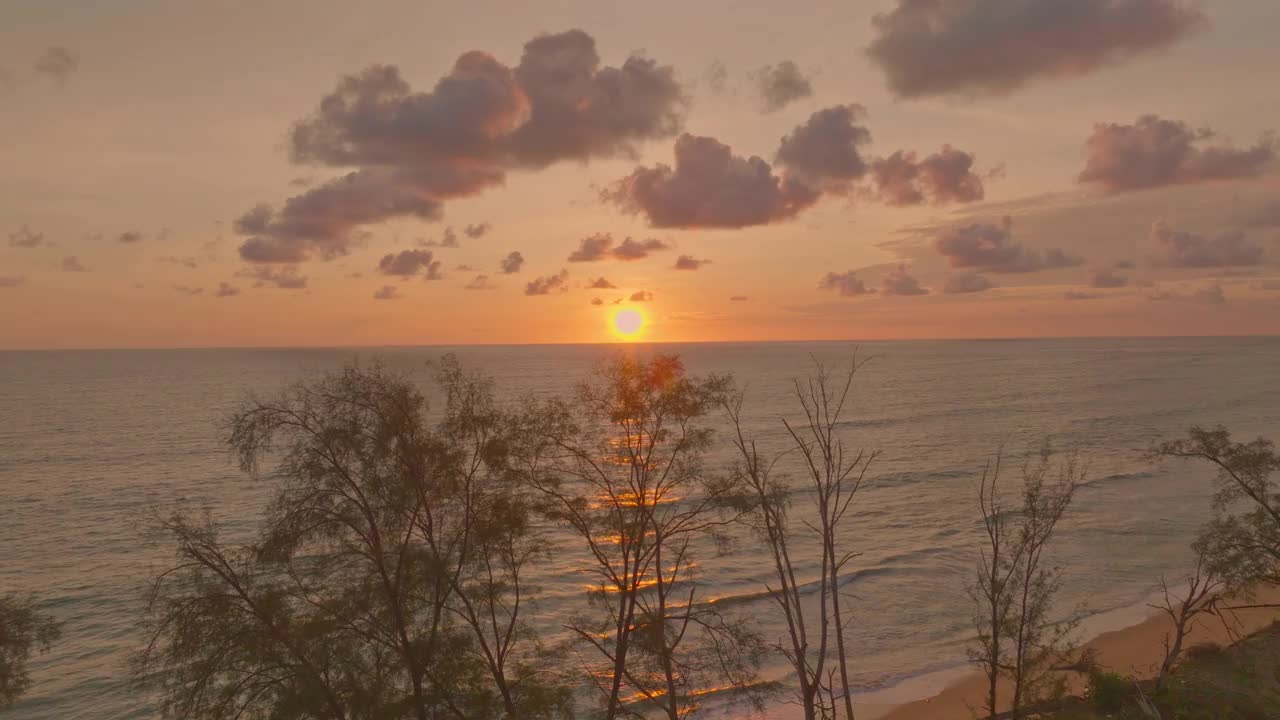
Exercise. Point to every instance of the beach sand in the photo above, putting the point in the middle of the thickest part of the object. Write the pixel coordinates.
(1136, 651)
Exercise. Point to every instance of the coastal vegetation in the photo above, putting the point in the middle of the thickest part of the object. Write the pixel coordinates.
(390, 574)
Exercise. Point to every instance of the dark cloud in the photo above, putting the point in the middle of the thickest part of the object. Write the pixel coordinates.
(448, 239)
(8, 281)
(387, 292)
(416, 150)
(945, 176)
(901, 282)
(481, 282)
(1104, 278)
(991, 248)
(1209, 295)
(409, 263)
(475, 231)
(846, 283)
(596, 301)
(24, 238)
(782, 84)
(632, 249)
(1266, 216)
(709, 187)
(72, 264)
(739, 298)
(940, 47)
(641, 296)
(1078, 295)
(717, 77)
(187, 262)
(286, 278)
(1176, 248)
(465, 268)
(592, 248)
(512, 263)
(1154, 152)
(58, 63)
(131, 236)
(1125, 265)
(188, 290)
(823, 152)
(547, 284)
(689, 262)
(601, 284)
(967, 282)
(226, 289)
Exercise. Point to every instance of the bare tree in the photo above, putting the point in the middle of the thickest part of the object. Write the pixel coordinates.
(622, 469)
(1017, 586)
(1200, 598)
(386, 580)
(24, 629)
(835, 476)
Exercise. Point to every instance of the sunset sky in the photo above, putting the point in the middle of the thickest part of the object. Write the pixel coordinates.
(327, 173)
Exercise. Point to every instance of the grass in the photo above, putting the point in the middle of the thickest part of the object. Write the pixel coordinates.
(1240, 682)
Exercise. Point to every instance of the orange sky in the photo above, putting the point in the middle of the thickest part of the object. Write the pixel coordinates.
(138, 133)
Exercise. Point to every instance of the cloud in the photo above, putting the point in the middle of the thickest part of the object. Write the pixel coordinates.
(901, 282)
(129, 237)
(387, 292)
(592, 248)
(717, 77)
(188, 290)
(408, 263)
(226, 289)
(596, 301)
(481, 282)
(188, 262)
(1078, 295)
(941, 47)
(781, 84)
(823, 152)
(1209, 295)
(1125, 265)
(8, 281)
(24, 238)
(476, 231)
(465, 268)
(600, 247)
(601, 284)
(512, 263)
(966, 282)
(449, 239)
(286, 278)
(739, 298)
(1104, 278)
(709, 187)
(58, 63)
(72, 264)
(415, 150)
(1266, 216)
(846, 283)
(945, 176)
(1175, 248)
(1154, 152)
(689, 262)
(991, 248)
(641, 296)
(546, 284)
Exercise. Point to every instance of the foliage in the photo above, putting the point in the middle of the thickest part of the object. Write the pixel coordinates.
(24, 629)
(1107, 691)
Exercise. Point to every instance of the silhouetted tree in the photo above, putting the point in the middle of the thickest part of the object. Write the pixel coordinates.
(622, 468)
(1200, 598)
(835, 477)
(24, 630)
(386, 581)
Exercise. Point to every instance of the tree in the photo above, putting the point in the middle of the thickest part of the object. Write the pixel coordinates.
(835, 478)
(23, 631)
(386, 580)
(1016, 587)
(1241, 544)
(622, 468)
(1200, 599)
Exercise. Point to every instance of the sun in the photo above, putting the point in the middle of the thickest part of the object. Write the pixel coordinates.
(627, 323)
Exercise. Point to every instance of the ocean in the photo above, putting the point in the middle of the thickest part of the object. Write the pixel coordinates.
(90, 441)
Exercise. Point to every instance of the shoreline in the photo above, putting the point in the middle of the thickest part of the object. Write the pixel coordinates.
(1134, 650)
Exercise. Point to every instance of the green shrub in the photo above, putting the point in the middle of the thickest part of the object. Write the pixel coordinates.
(1203, 650)
(1107, 691)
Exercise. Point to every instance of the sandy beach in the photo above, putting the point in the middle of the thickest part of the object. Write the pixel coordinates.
(1136, 651)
